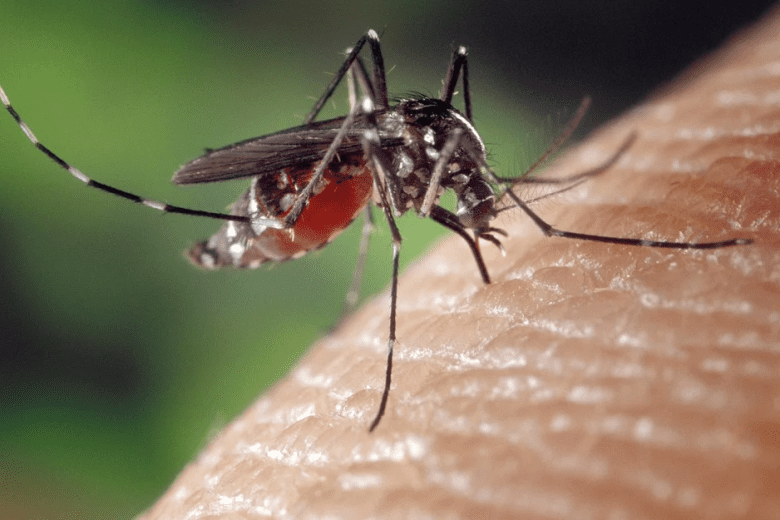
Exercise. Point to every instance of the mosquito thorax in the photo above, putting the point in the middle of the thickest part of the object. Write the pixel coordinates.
(428, 124)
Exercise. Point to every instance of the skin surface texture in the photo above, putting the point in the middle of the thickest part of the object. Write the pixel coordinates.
(588, 380)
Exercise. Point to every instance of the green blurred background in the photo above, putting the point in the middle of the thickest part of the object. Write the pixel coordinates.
(118, 361)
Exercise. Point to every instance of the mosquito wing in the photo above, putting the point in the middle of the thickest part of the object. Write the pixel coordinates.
(294, 147)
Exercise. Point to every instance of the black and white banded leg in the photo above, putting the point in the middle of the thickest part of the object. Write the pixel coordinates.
(160, 206)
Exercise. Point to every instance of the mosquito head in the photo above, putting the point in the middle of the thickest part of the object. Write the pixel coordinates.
(476, 203)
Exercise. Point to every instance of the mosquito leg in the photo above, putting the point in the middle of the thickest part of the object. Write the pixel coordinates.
(377, 171)
(305, 194)
(458, 63)
(361, 75)
(351, 89)
(575, 179)
(598, 170)
(336, 79)
(357, 73)
(379, 164)
(379, 89)
(379, 83)
(445, 154)
(360, 266)
(391, 338)
(466, 90)
(451, 222)
(550, 231)
(353, 294)
(160, 206)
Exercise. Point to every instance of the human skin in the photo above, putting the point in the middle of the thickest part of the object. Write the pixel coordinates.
(588, 380)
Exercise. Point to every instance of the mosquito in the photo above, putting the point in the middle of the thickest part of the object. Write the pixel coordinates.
(308, 183)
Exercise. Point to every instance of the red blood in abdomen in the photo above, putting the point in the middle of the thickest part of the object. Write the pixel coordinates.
(328, 213)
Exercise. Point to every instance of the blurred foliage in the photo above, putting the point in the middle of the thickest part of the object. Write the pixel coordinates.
(119, 360)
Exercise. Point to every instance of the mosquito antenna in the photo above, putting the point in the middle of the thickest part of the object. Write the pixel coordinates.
(572, 125)
(545, 196)
(576, 179)
(598, 170)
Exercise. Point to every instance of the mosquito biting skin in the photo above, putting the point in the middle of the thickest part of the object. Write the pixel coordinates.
(308, 183)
